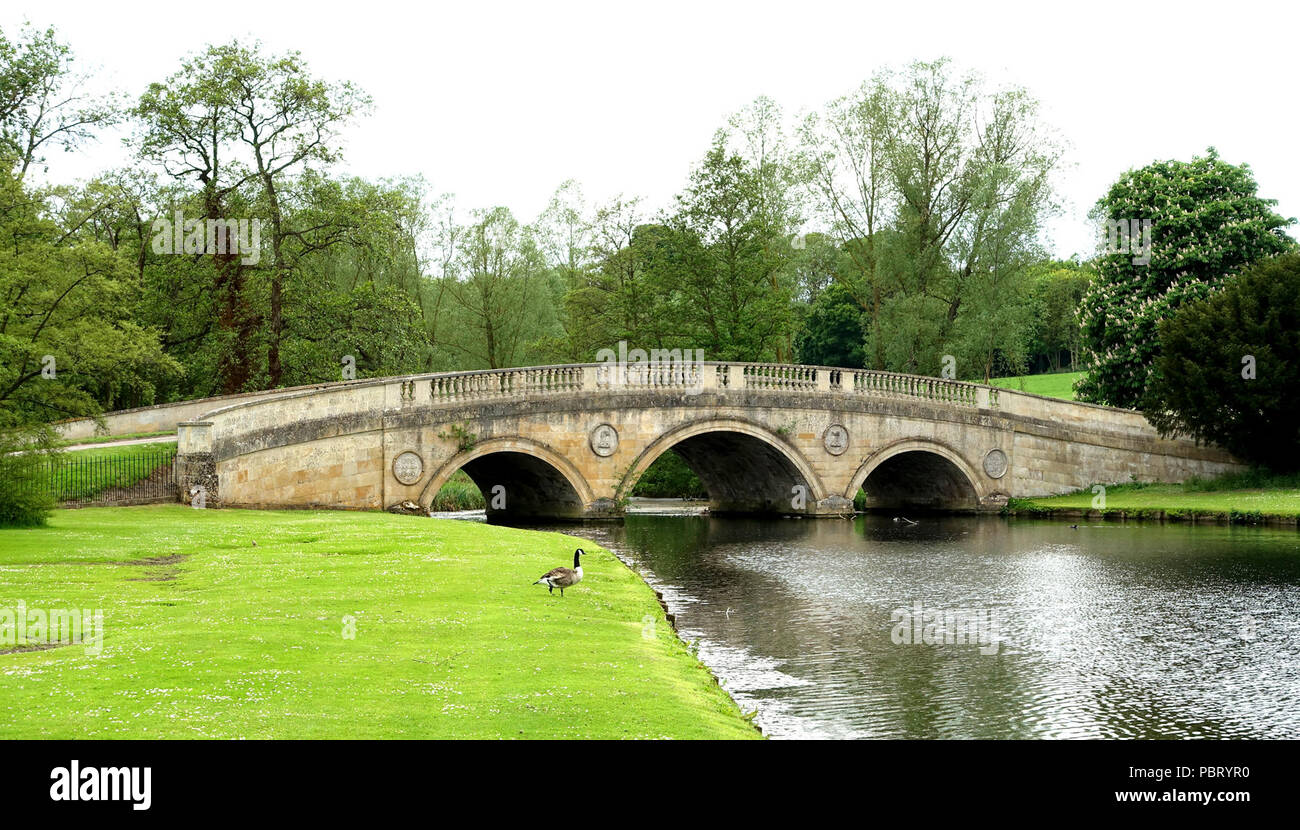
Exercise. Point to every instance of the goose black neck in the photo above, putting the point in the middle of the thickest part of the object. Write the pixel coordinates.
(577, 553)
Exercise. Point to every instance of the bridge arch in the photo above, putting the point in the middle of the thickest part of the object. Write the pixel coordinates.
(539, 482)
(744, 465)
(918, 472)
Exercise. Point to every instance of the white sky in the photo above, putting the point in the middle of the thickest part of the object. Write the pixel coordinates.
(500, 102)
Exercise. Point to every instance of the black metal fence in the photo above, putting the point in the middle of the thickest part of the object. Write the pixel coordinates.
(140, 475)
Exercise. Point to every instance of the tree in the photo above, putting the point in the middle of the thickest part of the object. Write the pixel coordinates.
(68, 343)
(845, 165)
(285, 119)
(757, 135)
(498, 297)
(937, 189)
(832, 333)
(609, 300)
(565, 234)
(1056, 290)
(66, 328)
(991, 337)
(353, 278)
(1229, 366)
(1206, 224)
(42, 103)
(729, 262)
(239, 124)
(188, 128)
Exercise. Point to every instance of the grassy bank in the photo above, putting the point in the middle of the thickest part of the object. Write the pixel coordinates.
(459, 493)
(1250, 496)
(1058, 385)
(231, 624)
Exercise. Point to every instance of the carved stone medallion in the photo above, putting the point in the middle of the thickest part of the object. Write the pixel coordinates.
(408, 467)
(604, 440)
(995, 463)
(835, 439)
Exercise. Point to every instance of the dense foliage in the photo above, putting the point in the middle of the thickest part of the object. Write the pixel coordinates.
(1206, 223)
(1055, 340)
(1229, 368)
(832, 334)
(23, 501)
(669, 478)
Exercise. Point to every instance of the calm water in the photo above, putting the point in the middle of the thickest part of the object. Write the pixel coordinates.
(1107, 631)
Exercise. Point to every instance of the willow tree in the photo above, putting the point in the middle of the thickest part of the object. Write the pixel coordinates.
(497, 297)
(937, 186)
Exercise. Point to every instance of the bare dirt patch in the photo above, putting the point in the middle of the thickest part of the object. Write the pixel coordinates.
(37, 647)
(161, 568)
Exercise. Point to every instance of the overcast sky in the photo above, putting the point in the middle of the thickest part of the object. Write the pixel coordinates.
(500, 102)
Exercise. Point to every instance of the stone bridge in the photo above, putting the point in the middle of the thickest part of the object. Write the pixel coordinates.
(571, 441)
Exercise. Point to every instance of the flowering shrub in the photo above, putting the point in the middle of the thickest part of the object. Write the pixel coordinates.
(1206, 224)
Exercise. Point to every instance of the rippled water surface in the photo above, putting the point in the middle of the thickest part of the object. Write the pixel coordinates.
(1105, 631)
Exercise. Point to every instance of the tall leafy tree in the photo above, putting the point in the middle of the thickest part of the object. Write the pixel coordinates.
(498, 295)
(1207, 222)
(285, 119)
(757, 134)
(845, 159)
(937, 188)
(188, 128)
(239, 125)
(1229, 366)
(69, 345)
(43, 101)
(737, 293)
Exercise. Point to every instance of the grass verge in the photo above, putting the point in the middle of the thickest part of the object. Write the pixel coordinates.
(1057, 385)
(232, 624)
(1243, 497)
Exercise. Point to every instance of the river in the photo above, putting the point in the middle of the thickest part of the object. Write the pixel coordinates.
(1107, 630)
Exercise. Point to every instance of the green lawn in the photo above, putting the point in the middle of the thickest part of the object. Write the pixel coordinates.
(231, 624)
(1059, 385)
(1177, 500)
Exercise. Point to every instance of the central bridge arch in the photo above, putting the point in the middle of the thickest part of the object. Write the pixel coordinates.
(538, 481)
(746, 467)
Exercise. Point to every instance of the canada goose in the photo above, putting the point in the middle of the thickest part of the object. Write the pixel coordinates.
(563, 577)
